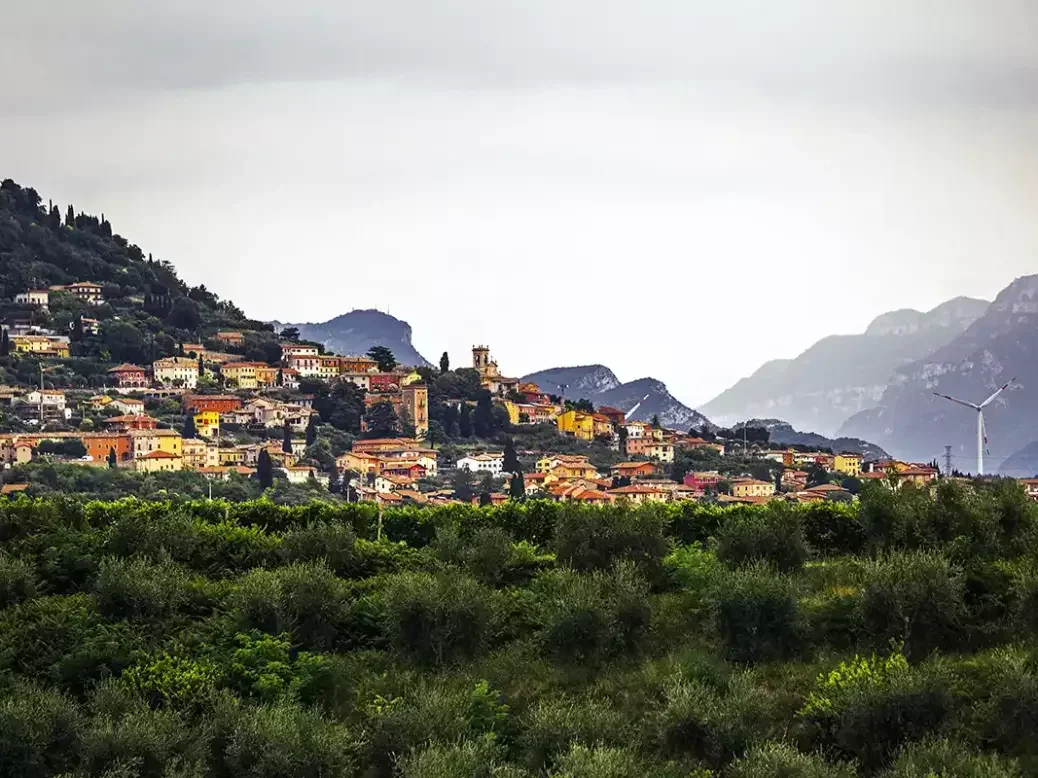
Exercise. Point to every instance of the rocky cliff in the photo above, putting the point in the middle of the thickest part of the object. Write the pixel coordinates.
(355, 332)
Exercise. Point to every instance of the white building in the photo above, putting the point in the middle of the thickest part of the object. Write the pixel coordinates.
(37, 297)
(176, 371)
(482, 463)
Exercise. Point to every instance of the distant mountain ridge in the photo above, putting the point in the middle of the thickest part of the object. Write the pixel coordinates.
(355, 332)
(911, 423)
(600, 385)
(842, 375)
(783, 434)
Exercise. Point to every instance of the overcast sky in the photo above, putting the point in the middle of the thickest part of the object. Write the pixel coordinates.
(678, 189)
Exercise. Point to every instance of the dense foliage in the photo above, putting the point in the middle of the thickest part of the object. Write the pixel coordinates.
(217, 638)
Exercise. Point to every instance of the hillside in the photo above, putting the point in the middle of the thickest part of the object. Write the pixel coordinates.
(783, 434)
(912, 423)
(357, 331)
(843, 374)
(600, 385)
(147, 309)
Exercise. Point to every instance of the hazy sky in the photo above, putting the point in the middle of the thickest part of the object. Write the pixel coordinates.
(679, 189)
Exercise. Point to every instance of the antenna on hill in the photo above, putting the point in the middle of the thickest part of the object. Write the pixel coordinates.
(981, 437)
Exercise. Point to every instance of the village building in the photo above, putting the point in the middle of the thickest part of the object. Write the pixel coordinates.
(128, 376)
(146, 441)
(235, 339)
(37, 298)
(489, 375)
(198, 453)
(221, 403)
(46, 346)
(87, 291)
(158, 462)
(848, 464)
(176, 371)
(633, 470)
(132, 422)
(638, 494)
(207, 424)
(750, 487)
(482, 463)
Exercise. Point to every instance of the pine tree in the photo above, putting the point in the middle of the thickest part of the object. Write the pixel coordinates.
(311, 430)
(464, 422)
(286, 440)
(334, 484)
(445, 363)
(265, 470)
(384, 357)
(189, 430)
(511, 460)
(70, 216)
(517, 487)
(381, 421)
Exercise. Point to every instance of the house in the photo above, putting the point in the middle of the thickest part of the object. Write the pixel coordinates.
(146, 441)
(207, 424)
(301, 358)
(132, 422)
(750, 487)
(581, 493)
(89, 326)
(225, 473)
(358, 365)
(130, 406)
(47, 346)
(235, 339)
(534, 413)
(795, 480)
(379, 445)
(231, 456)
(633, 470)
(8, 490)
(175, 371)
(848, 464)
(128, 376)
(574, 468)
(360, 380)
(651, 447)
(691, 442)
(38, 298)
(21, 452)
(1030, 485)
(359, 462)
(221, 403)
(576, 424)
(390, 483)
(482, 463)
(51, 401)
(99, 445)
(829, 492)
(638, 494)
(158, 462)
(615, 415)
(301, 474)
(534, 481)
(100, 401)
(601, 426)
(199, 454)
(384, 382)
(403, 467)
(87, 291)
(918, 475)
(244, 375)
(267, 375)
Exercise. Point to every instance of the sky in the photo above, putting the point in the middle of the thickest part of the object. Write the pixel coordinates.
(678, 189)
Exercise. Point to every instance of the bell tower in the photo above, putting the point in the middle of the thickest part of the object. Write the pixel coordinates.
(480, 358)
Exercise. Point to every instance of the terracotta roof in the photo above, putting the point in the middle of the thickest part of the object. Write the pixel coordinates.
(133, 417)
(126, 367)
(158, 455)
(918, 471)
(10, 488)
(635, 489)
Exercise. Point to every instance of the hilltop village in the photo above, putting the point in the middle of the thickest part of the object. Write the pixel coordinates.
(362, 427)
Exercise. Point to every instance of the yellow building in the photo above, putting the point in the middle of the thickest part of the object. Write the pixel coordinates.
(848, 464)
(664, 452)
(158, 462)
(229, 457)
(266, 375)
(40, 345)
(207, 424)
(199, 454)
(415, 401)
(748, 487)
(144, 442)
(571, 470)
(243, 374)
(176, 371)
(577, 424)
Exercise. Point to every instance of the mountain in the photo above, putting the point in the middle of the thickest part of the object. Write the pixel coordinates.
(355, 332)
(1022, 464)
(783, 434)
(579, 382)
(843, 374)
(600, 385)
(911, 423)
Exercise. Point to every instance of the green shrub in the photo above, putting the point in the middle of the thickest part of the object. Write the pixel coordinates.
(833, 617)
(780, 760)
(755, 615)
(709, 725)
(773, 536)
(866, 709)
(598, 762)
(482, 758)
(304, 600)
(39, 732)
(944, 759)
(286, 741)
(67, 559)
(915, 599)
(17, 580)
(64, 641)
(1006, 706)
(331, 543)
(588, 539)
(587, 618)
(555, 722)
(140, 590)
(173, 680)
(439, 619)
(490, 556)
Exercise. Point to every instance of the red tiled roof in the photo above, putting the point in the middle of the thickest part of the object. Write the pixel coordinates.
(159, 455)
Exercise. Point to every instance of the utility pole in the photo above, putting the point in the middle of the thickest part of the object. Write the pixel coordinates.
(947, 460)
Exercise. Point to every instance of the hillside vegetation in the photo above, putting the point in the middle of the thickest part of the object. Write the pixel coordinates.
(893, 637)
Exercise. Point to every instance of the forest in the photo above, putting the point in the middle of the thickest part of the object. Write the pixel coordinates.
(891, 637)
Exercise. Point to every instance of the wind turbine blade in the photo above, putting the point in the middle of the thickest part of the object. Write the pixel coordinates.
(960, 402)
(996, 394)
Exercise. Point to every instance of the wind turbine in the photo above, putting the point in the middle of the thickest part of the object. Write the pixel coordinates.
(981, 438)
(637, 405)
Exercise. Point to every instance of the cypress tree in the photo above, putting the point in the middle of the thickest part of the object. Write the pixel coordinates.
(5, 344)
(464, 422)
(265, 470)
(511, 460)
(517, 487)
(334, 484)
(445, 363)
(286, 440)
(189, 430)
(70, 216)
(311, 431)
(113, 460)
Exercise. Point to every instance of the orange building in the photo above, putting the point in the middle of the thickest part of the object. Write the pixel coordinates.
(221, 403)
(99, 444)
